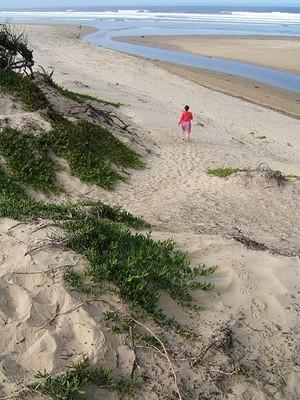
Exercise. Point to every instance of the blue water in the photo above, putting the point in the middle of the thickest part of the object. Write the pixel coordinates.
(184, 20)
(261, 74)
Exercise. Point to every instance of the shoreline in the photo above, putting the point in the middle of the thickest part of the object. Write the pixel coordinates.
(251, 91)
(218, 46)
(271, 97)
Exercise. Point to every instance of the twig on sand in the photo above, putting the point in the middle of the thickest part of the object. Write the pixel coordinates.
(237, 140)
(70, 310)
(25, 391)
(135, 362)
(164, 352)
(219, 371)
(253, 329)
(58, 243)
(152, 348)
(221, 338)
(58, 314)
(202, 354)
(30, 389)
(3, 318)
(18, 224)
(43, 226)
(47, 271)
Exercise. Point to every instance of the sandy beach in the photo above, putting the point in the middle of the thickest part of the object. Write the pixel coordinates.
(274, 52)
(282, 53)
(216, 221)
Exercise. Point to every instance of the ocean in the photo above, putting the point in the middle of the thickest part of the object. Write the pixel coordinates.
(184, 20)
(283, 21)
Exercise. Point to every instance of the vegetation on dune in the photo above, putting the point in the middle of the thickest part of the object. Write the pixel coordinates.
(224, 172)
(262, 169)
(81, 96)
(16, 204)
(93, 153)
(23, 89)
(116, 214)
(74, 381)
(138, 266)
(27, 157)
(78, 97)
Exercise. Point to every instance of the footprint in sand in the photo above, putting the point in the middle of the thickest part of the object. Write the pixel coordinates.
(3, 258)
(248, 285)
(257, 308)
(248, 288)
(269, 329)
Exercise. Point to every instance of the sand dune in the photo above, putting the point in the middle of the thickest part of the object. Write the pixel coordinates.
(43, 325)
(256, 292)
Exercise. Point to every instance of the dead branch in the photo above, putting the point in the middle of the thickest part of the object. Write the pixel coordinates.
(18, 224)
(270, 174)
(55, 243)
(220, 339)
(221, 372)
(58, 314)
(249, 243)
(69, 311)
(15, 54)
(152, 348)
(164, 351)
(43, 226)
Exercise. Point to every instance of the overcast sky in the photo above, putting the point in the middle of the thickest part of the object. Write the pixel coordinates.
(138, 3)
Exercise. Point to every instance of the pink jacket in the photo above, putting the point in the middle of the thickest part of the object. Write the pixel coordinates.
(186, 116)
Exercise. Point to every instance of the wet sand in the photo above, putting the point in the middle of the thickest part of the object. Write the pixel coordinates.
(281, 53)
(278, 53)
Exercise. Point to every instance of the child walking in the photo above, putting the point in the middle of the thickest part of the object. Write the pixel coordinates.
(185, 122)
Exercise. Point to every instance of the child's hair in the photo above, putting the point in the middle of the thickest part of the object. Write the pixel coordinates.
(186, 108)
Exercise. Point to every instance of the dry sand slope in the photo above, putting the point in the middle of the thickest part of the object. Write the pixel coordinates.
(42, 325)
(256, 291)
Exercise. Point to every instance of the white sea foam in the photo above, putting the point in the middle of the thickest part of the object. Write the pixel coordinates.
(232, 17)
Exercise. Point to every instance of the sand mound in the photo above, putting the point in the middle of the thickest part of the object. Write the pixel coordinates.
(44, 326)
(258, 293)
(12, 114)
